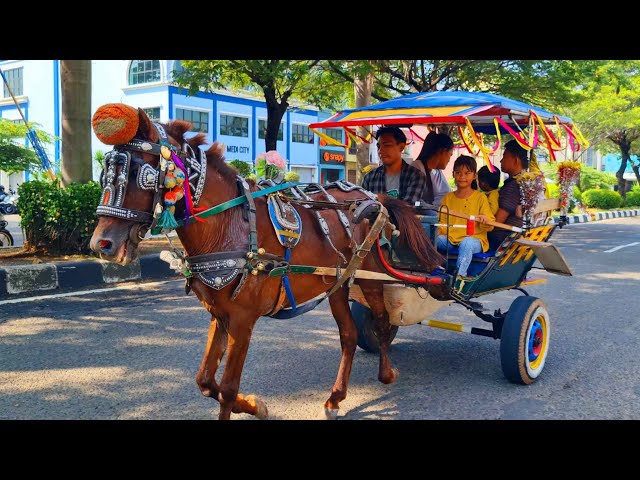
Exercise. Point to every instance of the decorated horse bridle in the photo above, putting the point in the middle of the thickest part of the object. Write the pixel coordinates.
(178, 174)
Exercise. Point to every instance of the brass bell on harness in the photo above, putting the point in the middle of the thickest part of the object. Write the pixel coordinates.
(261, 251)
(165, 152)
(254, 272)
(250, 255)
(260, 266)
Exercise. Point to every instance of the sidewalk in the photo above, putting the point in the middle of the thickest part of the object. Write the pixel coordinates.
(20, 278)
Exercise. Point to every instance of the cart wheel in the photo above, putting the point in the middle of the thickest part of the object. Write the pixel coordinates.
(367, 338)
(525, 340)
(11, 209)
(6, 240)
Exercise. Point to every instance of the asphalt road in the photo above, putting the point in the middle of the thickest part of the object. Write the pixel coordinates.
(134, 353)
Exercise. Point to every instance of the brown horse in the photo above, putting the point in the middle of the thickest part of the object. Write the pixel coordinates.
(232, 319)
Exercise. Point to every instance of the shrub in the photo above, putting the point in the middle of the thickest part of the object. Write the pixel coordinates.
(594, 178)
(243, 168)
(601, 198)
(58, 221)
(633, 198)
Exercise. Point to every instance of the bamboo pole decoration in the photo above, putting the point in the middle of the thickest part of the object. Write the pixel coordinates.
(46, 165)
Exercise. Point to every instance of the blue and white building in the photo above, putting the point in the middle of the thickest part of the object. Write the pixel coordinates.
(237, 119)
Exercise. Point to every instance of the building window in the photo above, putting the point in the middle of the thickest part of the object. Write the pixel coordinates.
(177, 67)
(262, 130)
(353, 148)
(335, 133)
(234, 126)
(301, 134)
(14, 79)
(153, 113)
(199, 120)
(144, 71)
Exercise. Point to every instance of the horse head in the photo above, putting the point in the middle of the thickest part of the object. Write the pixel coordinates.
(135, 178)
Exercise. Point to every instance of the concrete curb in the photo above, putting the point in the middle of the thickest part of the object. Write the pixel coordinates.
(594, 217)
(48, 277)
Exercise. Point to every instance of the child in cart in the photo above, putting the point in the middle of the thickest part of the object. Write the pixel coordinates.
(468, 201)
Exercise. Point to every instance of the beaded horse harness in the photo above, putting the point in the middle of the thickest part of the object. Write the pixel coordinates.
(119, 163)
(219, 269)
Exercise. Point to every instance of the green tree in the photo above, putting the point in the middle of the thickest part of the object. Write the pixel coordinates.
(14, 155)
(546, 83)
(281, 82)
(610, 115)
(75, 165)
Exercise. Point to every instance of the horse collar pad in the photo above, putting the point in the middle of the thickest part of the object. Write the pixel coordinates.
(285, 220)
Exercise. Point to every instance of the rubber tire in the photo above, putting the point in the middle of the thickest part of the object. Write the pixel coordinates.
(6, 240)
(513, 343)
(367, 338)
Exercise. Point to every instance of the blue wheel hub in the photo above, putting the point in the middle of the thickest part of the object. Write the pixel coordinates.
(535, 340)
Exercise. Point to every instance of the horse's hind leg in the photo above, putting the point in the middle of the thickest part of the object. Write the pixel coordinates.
(239, 336)
(373, 294)
(339, 302)
(216, 346)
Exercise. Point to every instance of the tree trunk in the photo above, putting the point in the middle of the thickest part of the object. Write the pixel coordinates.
(76, 160)
(362, 86)
(625, 147)
(275, 112)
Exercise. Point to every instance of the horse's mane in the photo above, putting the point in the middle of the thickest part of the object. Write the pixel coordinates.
(215, 155)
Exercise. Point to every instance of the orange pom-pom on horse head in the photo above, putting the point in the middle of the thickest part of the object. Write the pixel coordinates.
(115, 123)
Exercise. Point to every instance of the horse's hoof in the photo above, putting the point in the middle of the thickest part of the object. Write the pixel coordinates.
(394, 373)
(262, 412)
(206, 391)
(331, 413)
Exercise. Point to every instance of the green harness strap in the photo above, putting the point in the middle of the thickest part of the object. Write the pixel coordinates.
(231, 203)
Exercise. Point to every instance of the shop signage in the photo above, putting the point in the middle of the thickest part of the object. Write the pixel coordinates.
(237, 149)
(331, 157)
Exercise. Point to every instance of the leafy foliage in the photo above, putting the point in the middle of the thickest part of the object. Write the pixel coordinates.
(600, 198)
(633, 197)
(14, 155)
(58, 221)
(547, 83)
(281, 82)
(291, 176)
(243, 168)
(592, 178)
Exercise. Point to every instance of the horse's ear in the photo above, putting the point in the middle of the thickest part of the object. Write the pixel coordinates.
(145, 127)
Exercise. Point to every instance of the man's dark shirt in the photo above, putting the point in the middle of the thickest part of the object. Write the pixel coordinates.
(508, 200)
(412, 182)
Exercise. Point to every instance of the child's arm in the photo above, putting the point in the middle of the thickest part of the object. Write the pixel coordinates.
(485, 214)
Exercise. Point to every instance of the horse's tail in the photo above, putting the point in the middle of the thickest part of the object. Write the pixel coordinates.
(412, 234)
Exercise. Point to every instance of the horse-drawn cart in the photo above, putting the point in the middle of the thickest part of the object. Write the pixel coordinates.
(524, 328)
(246, 254)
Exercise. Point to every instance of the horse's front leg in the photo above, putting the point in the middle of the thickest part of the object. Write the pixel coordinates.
(239, 335)
(216, 346)
(339, 303)
(372, 291)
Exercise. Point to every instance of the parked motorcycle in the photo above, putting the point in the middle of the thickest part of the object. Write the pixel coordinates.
(6, 240)
(8, 202)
